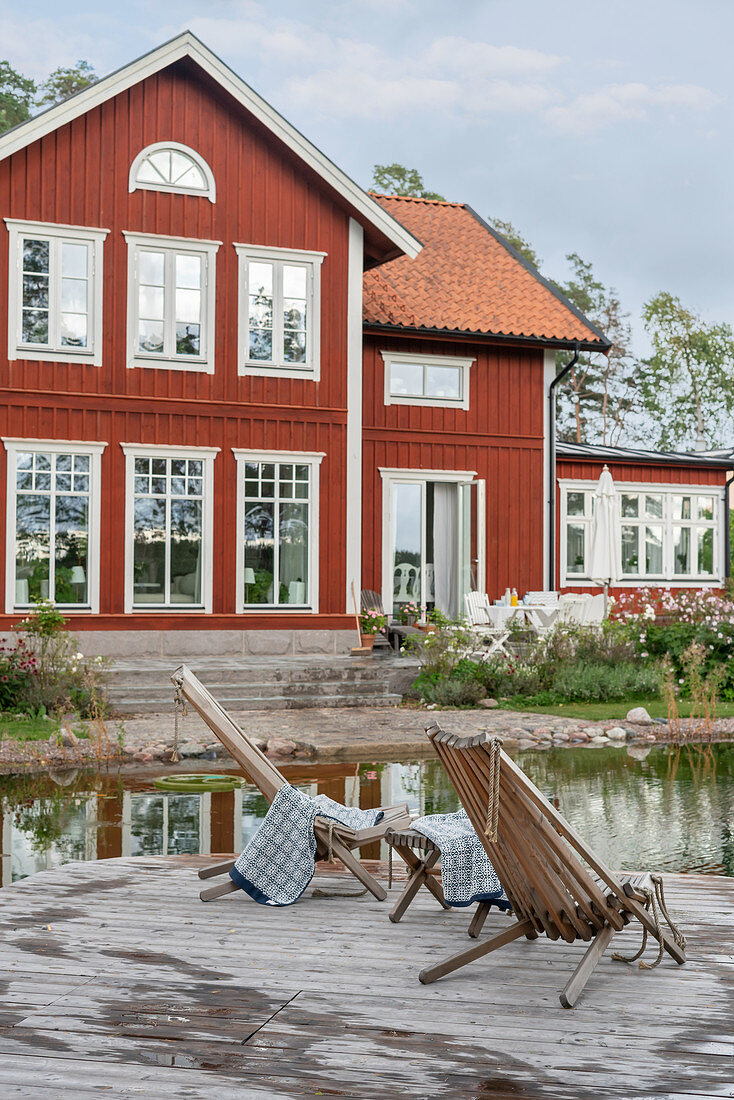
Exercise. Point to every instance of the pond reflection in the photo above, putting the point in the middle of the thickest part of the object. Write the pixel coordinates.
(666, 808)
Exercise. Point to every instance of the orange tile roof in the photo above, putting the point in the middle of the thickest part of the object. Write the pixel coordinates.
(467, 279)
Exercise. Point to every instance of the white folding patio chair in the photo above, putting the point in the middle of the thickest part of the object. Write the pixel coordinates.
(493, 638)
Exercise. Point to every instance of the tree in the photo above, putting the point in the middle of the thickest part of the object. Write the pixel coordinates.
(65, 82)
(396, 179)
(687, 385)
(597, 399)
(515, 238)
(17, 93)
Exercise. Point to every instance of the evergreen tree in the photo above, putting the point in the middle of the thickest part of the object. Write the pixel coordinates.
(65, 82)
(396, 179)
(17, 94)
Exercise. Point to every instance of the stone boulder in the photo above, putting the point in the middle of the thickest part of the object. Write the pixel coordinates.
(281, 746)
(639, 714)
(617, 733)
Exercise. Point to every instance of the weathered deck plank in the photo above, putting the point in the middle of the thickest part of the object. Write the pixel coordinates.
(115, 978)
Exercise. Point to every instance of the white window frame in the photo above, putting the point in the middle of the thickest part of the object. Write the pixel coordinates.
(207, 455)
(304, 458)
(391, 358)
(310, 369)
(134, 184)
(55, 233)
(59, 447)
(394, 475)
(204, 362)
(667, 491)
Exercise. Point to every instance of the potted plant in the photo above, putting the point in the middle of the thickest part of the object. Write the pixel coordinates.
(371, 623)
(408, 613)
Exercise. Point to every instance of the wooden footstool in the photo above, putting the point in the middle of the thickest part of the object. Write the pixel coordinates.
(421, 854)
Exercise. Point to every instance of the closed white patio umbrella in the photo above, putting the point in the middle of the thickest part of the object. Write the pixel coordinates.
(604, 565)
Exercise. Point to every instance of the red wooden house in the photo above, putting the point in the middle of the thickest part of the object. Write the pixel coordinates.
(234, 384)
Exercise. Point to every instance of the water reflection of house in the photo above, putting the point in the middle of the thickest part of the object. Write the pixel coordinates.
(115, 819)
(237, 383)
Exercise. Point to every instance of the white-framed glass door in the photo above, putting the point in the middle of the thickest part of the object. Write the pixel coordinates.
(433, 539)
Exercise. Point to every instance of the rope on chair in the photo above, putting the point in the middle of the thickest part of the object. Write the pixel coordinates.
(655, 900)
(493, 802)
(179, 709)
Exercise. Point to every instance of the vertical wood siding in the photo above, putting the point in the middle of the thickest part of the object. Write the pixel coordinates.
(500, 436)
(78, 175)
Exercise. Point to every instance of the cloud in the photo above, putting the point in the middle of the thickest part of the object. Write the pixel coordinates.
(483, 60)
(631, 102)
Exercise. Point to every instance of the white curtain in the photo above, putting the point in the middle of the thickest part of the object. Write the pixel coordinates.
(445, 541)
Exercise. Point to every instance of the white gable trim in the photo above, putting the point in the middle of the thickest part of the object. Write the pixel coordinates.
(187, 45)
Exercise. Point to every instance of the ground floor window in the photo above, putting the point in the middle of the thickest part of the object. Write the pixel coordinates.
(169, 518)
(52, 524)
(665, 533)
(277, 530)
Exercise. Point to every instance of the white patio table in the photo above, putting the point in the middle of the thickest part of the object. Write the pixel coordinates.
(539, 616)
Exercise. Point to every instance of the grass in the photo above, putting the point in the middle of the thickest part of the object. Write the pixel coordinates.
(599, 712)
(13, 728)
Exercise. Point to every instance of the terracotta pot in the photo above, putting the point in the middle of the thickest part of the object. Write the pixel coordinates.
(368, 640)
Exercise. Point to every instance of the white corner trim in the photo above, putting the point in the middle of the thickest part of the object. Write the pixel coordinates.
(134, 184)
(313, 459)
(353, 516)
(549, 373)
(187, 45)
(56, 446)
(456, 362)
(56, 232)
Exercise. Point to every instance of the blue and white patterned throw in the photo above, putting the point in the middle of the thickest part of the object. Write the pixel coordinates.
(280, 859)
(466, 873)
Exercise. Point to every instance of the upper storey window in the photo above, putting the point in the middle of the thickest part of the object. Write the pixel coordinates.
(279, 311)
(168, 166)
(426, 380)
(55, 292)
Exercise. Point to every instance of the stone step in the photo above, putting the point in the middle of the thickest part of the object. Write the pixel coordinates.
(163, 694)
(142, 705)
(148, 677)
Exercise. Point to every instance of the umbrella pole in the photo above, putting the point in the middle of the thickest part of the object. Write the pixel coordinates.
(606, 598)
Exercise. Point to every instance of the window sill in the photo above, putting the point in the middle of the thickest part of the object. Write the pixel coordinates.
(279, 609)
(428, 402)
(275, 370)
(197, 366)
(166, 609)
(46, 355)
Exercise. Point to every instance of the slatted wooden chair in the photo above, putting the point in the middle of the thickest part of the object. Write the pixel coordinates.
(554, 881)
(331, 837)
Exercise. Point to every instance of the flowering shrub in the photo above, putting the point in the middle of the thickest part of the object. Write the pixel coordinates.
(18, 670)
(62, 677)
(372, 622)
(662, 625)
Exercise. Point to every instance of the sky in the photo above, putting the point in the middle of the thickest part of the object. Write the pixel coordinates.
(598, 128)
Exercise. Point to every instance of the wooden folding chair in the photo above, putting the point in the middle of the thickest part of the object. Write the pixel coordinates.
(536, 857)
(421, 855)
(330, 836)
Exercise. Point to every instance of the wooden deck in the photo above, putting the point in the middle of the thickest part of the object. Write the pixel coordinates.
(116, 980)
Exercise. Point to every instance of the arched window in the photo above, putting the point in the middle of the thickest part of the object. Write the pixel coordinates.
(168, 166)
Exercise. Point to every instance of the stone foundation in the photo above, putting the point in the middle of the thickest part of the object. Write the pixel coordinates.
(216, 643)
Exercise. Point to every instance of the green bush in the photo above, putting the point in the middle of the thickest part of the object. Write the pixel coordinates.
(588, 683)
(18, 673)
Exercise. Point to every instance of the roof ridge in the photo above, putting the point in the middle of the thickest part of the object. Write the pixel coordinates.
(416, 198)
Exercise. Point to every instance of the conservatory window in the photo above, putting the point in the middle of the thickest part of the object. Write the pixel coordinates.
(169, 523)
(426, 380)
(53, 524)
(279, 311)
(278, 525)
(168, 166)
(55, 292)
(663, 535)
(171, 302)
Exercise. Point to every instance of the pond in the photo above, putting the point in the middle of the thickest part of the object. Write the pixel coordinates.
(666, 808)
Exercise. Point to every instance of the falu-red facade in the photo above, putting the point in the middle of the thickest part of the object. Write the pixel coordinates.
(215, 424)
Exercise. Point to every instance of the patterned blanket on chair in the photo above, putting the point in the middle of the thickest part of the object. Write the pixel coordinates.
(279, 861)
(466, 873)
